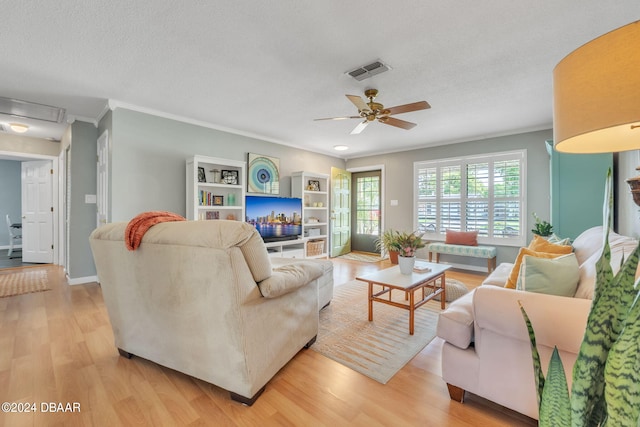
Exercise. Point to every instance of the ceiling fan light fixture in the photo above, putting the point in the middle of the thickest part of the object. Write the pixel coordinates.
(18, 127)
(340, 147)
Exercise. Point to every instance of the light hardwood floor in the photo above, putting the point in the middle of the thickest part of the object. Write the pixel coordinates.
(57, 346)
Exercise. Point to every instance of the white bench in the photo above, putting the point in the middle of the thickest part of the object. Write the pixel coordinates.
(488, 252)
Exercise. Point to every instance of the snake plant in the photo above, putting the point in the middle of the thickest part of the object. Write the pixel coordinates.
(606, 374)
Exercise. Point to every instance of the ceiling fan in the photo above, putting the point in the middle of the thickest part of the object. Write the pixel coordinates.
(370, 111)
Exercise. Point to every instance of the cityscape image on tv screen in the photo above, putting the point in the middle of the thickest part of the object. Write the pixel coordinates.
(275, 218)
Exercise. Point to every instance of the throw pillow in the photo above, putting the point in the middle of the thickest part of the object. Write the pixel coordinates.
(556, 276)
(540, 244)
(513, 276)
(558, 240)
(465, 238)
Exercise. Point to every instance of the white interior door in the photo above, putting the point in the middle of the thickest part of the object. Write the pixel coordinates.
(37, 211)
(102, 192)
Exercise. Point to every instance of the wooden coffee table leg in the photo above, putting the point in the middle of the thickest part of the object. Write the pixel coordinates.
(412, 309)
(370, 301)
(443, 295)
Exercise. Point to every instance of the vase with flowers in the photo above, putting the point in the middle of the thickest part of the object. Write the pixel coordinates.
(408, 244)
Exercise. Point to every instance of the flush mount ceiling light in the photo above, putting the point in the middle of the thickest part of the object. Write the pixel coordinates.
(340, 147)
(18, 127)
(596, 91)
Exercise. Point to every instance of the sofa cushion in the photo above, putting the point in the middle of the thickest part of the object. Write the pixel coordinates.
(540, 244)
(465, 238)
(288, 278)
(556, 276)
(499, 276)
(455, 324)
(515, 271)
(257, 257)
(558, 240)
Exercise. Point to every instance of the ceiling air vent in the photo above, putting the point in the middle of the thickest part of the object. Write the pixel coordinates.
(31, 110)
(369, 70)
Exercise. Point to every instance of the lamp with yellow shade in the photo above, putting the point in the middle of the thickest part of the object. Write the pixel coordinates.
(596, 97)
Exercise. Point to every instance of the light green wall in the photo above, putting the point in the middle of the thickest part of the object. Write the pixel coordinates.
(577, 191)
(149, 153)
(399, 178)
(82, 216)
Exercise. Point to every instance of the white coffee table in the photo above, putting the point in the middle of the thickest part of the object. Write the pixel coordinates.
(391, 278)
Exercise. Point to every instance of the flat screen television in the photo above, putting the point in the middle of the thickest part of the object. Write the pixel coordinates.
(275, 218)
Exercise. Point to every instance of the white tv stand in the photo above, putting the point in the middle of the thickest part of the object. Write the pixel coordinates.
(286, 249)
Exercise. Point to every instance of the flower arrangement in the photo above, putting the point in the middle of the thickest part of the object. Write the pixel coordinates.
(408, 243)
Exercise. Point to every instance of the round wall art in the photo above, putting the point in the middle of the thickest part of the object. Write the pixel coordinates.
(264, 174)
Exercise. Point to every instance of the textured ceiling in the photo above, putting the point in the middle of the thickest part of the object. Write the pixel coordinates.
(268, 68)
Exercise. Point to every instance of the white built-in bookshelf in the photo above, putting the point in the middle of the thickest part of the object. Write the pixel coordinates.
(215, 188)
(313, 189)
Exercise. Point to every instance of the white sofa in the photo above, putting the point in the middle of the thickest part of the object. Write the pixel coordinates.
(202, 297)
(487, 350)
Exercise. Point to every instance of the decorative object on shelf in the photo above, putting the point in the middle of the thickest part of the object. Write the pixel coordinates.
(542, 228)
(264, 174)
(201, 176)
(212, 215)
(315, 247)
(231, 199)
(406, 264)
(216, 175)
(229, 177)
(312, 220)
(218, 200)
(314, 185)
(231, 217)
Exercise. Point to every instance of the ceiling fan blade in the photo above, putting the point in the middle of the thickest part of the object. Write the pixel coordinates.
(360, 127)
(407, 108)
(339, 118)
(358, 102)
(397, 122)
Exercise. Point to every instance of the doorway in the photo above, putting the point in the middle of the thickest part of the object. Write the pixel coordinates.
(366, 215)
(32, 250)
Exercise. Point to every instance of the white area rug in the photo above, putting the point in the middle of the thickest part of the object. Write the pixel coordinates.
(377, 349)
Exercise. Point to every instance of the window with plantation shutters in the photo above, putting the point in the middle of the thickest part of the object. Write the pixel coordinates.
(484, 193)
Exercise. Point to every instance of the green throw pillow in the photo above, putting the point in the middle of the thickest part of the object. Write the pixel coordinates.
(558, 241)
(554, 276)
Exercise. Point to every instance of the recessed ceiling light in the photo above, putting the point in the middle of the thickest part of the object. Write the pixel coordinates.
(340, 147)
(18, 127)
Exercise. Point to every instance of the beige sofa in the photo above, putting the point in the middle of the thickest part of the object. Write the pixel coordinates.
(202, 297)
(487, 349)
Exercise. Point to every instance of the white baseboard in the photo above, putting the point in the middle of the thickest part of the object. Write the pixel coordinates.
(81, 280)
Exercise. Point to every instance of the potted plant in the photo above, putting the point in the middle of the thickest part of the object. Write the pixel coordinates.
(606, 378)
(387, 243)
(408, 244)
(542, 228)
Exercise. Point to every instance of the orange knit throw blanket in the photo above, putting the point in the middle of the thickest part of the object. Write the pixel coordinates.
(141, 223)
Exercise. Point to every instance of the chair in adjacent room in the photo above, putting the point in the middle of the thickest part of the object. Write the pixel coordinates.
(15, 234)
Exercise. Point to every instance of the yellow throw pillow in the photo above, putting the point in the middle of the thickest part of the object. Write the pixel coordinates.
(515, 271)
(540, 244)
